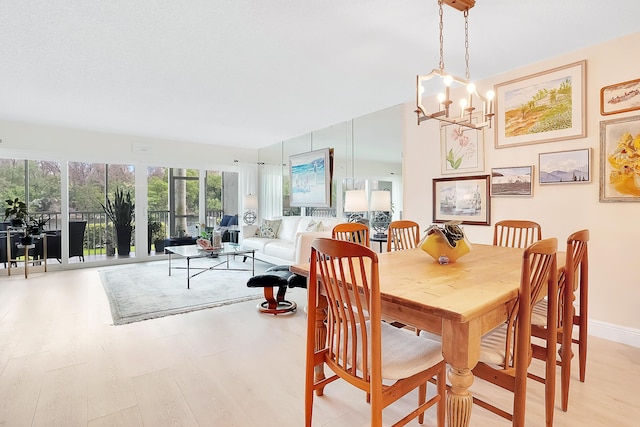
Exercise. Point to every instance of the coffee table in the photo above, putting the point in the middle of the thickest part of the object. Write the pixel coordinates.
(220, 258)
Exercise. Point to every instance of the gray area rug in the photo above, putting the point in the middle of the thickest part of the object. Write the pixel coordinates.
(146, 291)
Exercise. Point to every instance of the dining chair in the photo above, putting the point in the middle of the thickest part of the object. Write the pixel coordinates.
(403, 234)
(505, 352)
(573, 278)
(351, 232)
(358, 347)
(516, 233)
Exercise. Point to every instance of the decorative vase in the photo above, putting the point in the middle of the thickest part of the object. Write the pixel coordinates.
(437, 245)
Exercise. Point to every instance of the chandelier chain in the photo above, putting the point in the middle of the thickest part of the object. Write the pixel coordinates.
(441, 38)
(466, 44)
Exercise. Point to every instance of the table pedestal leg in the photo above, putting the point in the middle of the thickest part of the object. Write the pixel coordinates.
(459, 400)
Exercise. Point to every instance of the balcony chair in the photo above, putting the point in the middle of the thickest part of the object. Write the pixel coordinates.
(358, 347)
(573, 278)
(351, 232)
(505, 352)
(403, 234)
(76, 241)
(516, 233)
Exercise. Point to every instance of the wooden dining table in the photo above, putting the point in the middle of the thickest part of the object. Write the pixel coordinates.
(459, 301)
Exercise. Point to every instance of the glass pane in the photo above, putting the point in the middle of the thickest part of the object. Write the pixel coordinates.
(213, 187)
(157, 207)
(186, 194)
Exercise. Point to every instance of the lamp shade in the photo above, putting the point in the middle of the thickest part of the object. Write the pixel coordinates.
(381, 201)
(251, 202)
(356, 201)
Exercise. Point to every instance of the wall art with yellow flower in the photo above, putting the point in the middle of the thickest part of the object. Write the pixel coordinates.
(620, 160)
(461, 149)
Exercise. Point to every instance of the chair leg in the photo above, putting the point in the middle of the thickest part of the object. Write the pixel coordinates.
(422, 397)
(582, 348)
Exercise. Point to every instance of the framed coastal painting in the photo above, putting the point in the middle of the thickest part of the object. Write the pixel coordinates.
(565, 167)
(310, 177)
(512, 181)
(620, 97)
(543, 107)
(464, 198)
(461, 148)
(620, 160)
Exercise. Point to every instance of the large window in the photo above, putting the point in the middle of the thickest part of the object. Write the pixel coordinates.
(89, 186)
(35, 182)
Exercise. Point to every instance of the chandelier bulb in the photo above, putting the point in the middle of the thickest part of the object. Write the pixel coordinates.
(463, 103)
(471, 88)
(441, 97)
(448, 79)
(490, 95)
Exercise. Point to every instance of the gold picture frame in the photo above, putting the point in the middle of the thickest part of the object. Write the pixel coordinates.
(544, 107)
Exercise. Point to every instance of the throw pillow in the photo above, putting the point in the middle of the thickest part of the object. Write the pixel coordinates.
(314, 225)
(269, 228)
(225, 221)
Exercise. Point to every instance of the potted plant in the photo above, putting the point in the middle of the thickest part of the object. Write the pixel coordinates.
(121, 212)
(16, 212)
(156, 235)
(35, 226)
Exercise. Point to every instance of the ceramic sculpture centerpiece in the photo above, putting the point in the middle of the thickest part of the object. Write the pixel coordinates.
(447, 243)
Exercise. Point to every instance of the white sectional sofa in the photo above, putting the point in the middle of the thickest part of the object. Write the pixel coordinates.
(292, 244)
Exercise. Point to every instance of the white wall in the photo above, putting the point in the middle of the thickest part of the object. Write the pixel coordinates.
(614, 288)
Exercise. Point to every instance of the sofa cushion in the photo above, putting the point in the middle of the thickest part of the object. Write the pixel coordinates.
(288, 228)
(269, 228)
(257, 243)
(225, 221)
(280, 249)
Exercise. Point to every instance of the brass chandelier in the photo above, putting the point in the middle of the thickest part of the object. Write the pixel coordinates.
(467, 105)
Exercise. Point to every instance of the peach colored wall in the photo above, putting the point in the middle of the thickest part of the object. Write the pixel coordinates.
(560, 209)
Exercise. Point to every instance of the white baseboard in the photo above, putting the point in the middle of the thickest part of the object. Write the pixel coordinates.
(615, 333)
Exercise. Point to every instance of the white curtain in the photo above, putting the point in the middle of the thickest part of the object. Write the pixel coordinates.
(270, 195)
(247, 184)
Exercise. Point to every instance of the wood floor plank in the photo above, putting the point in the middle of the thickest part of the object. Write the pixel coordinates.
(62, 362)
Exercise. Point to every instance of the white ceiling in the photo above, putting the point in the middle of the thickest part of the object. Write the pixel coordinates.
(249, 73)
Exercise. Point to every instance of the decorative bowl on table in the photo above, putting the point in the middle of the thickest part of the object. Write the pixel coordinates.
(446, 244)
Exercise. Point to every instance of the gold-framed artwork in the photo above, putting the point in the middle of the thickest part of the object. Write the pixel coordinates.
(620, 160)
(462, 198)
(544, 107)
(461, 148)
(620, 97)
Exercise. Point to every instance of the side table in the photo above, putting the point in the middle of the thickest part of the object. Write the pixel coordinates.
(380, 239)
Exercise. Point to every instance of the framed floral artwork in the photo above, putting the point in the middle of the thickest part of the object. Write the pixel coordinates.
(543, 107)
(620, 160)
(464, 198)
(461, 148)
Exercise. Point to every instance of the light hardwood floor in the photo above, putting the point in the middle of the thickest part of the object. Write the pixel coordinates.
(62, 363)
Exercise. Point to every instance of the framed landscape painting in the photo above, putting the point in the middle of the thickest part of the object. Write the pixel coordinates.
(543, 107)
(512, 181)
(620, 160)
(565, 167)
(464, 199)
(311, 178)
